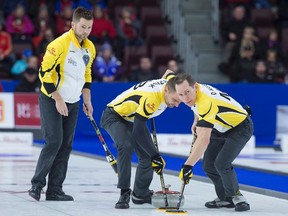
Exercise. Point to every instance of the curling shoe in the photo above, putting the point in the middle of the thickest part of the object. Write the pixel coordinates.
(240, 202)
(123, 202)
(58, 196)
(217, 203)
(35, 192)
(141, 200)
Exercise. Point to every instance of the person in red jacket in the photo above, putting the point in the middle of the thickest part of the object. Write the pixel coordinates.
(6, 48)
(103, 29)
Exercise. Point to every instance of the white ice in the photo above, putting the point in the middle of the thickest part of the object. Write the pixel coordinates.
(92, 183)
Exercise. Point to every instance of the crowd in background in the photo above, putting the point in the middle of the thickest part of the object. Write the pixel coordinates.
(247, 56)
(34, 24)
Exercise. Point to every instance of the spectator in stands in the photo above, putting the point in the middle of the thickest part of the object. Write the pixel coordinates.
(129, 28)
(21, 64)
(34, 6)
(8, 6)
(262, 4)
(19, 25)
(43, 21)
(103, 29)
(6, 60)
(61, 5)
(106, 67)
(247, 4)
(29, 81)
(275, 68)
(260, 73)
(243, 68)
(63, 20)
(45, 40)
(282, 15)
(144, 72)
(272, 42)
(249, 35)
(89, 4)
(173, 65)
(232, 32)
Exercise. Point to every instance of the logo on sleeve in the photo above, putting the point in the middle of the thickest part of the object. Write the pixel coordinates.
(149, 108)
(52, 51)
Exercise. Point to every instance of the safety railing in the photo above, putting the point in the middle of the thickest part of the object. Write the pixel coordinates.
(183, 47)
(215, 20)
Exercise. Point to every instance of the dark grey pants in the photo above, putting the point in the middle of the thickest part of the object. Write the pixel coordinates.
(58, 132)
(221, 152)
(121, 133)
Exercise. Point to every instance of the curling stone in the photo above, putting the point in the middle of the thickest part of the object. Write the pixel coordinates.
(172, 197)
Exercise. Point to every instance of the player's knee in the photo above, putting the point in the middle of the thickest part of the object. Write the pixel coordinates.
(222, 167)
(126, 149)
(208, 168)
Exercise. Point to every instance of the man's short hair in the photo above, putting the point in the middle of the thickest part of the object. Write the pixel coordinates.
(180, 78)
(82, 12)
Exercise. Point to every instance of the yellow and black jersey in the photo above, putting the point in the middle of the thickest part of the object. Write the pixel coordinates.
(145, 98)
(217, 109)
(66, 66)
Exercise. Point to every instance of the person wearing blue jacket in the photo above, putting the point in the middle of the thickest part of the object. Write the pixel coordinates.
(106, 67)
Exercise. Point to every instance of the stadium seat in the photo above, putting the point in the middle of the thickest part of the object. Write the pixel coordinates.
(262, 17)
(263, 32)
(146, 12)
(132, 55)
(148, 3)
(284, 39)
(18, 48)
(160, 55)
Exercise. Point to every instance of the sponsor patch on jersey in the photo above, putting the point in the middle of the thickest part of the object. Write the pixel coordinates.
(52, 51)
(151, 106)
(72, 61)
(86, 59)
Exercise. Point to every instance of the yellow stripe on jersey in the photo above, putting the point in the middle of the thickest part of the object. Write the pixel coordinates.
(145, 99)
(217, 109)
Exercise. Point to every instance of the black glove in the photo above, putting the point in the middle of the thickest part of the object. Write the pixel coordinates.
(186, 173)
(158, 163)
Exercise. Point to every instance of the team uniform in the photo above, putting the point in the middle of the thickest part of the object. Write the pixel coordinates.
(217, 110)
(145, 98)
(232, 127)
(65, 68)
(125, 120)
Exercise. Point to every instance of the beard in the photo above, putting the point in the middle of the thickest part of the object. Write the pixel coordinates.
(80, 37)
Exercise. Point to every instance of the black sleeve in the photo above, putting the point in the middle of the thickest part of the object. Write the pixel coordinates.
(87, 85)
(139, 133)
(50, 87)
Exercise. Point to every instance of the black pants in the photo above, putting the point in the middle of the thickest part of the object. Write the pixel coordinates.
(58, 132)
(120, 131)
(221, 152)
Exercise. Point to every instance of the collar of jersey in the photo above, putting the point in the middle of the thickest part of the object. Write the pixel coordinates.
(198, 92)
(74, 39)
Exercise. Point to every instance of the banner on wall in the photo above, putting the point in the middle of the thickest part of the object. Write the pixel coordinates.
(6, 110)
(282, 127)
(180, 144)
(27, 113)
(281, 121)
